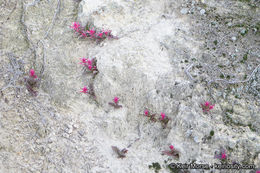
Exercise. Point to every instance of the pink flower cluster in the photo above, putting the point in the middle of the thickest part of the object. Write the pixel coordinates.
(151, 116)
(223, 156)
(164, 119)
(90, 64)
(91, 33)
(207, 106)
(32, 74)
(162, 116)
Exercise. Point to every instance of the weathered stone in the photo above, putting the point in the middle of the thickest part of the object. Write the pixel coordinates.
(163, 61)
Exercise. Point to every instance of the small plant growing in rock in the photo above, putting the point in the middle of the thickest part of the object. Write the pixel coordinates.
(151, 116)
(172, 152)
(208, 137)
(31, 82)
(164, 120)
(89, 91)
(91, 32)
(156, 166)
(207, 106)
(89, 65)
(84, 90)
(115, 103)
(120, 153)
(221, 155)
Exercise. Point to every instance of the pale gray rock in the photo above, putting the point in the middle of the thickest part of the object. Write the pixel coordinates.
(202, 11)
(63, 130)
(233, 38)
(184, 10)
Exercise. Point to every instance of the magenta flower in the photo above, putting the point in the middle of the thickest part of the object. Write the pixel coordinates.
(32, 73)
(100, 35)
(146, 112)
(94, 33)
(76, 26)
(115, 104)
(162, 116)
(223, 156)
(89, 62)
(84, 90)
(116, 99)
(172, 152)
(91, 32)
(89, 65)
(83, 61)
(164, 120)
(31, 82)
(171, 147)
(207, 106)
(257, 171)
(151, 116)
(106, 32)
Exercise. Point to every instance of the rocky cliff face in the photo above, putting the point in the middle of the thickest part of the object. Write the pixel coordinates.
(170, 57)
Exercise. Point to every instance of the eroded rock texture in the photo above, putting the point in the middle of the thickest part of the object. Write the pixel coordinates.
(170, 56)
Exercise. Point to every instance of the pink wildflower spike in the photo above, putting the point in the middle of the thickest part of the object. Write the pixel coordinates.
(162, 116)
(32, 73)
(146, 112)
(115, 104)
(75, 26)
(223, 156)
(91, 32)
(95, 67)
(83, 61)
(171, 147)
(105, 32)
(89, 62)
(100, 35)
(84, 90)
(257, 171)
(207, 103)
(116, 99)
(206, 107)
(89, 67)
(211, 107)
